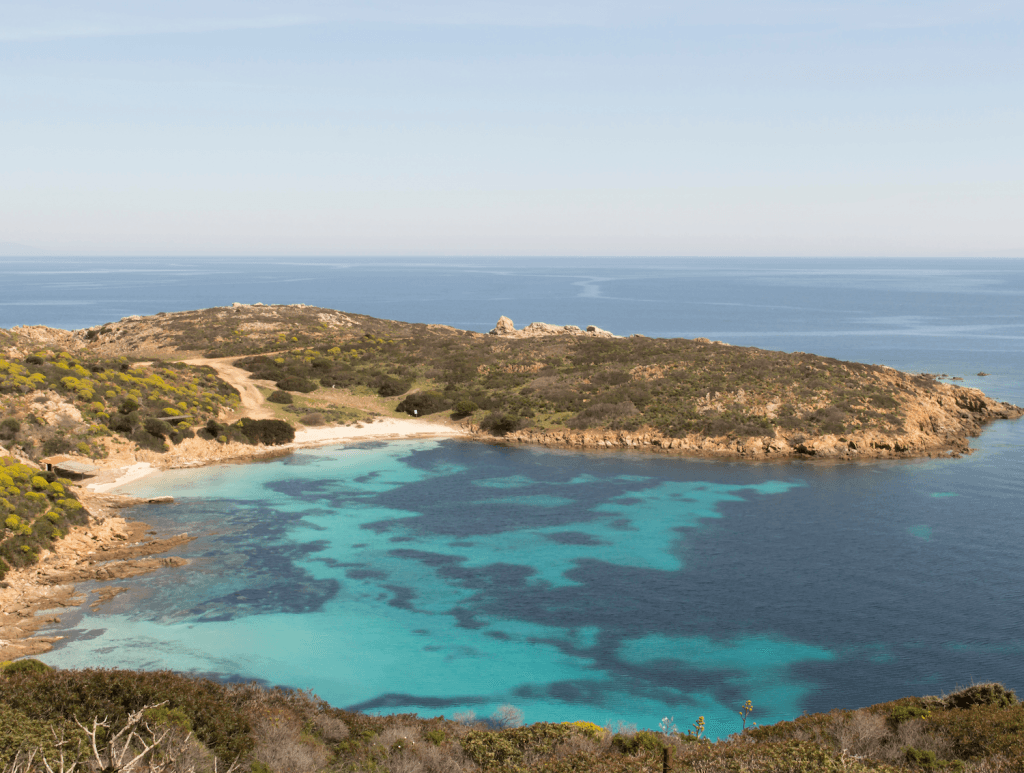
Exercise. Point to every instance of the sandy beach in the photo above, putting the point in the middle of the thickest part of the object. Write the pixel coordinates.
(110, 547)
(194, 452)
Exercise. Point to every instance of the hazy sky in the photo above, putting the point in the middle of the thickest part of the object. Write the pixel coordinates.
(527, 127)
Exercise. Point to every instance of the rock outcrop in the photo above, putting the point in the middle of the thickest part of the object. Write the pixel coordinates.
(507, 329)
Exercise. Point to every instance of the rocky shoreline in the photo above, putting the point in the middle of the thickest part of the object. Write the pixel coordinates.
(935, 426)
(108, 547)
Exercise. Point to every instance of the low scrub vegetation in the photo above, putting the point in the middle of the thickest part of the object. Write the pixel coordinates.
(675, 386)
(269, 432)
(37, 508)
(58, 403)
(182, 723)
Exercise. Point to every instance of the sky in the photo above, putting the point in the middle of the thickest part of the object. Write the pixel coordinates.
(557, 127)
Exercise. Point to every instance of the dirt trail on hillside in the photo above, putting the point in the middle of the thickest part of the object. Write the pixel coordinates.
(253, 404)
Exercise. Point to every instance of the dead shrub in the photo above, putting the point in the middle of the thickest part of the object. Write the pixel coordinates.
(403, 735)
(429, 758)
(281, 746)
(404, 762)
(996, 764)
(861, 733)
(582, 744)
(915, 733)
(331, 728)
(505, 717)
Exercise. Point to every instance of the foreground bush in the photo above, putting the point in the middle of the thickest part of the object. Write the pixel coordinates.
(207, 726)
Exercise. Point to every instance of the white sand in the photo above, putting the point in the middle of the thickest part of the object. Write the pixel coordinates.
(381, 429)
(128, 474)
(306, 437)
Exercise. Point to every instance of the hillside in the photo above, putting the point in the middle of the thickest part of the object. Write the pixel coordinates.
(195, 724)
(543, 384)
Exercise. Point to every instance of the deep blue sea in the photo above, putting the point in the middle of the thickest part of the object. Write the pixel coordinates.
(444, 576)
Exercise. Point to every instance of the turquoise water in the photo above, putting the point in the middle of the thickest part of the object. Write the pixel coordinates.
(440, 577)
(389, 605)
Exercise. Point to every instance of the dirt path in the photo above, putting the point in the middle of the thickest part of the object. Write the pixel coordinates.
(253, 405)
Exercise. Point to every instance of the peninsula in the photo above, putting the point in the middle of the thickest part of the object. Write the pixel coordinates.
(197, 383)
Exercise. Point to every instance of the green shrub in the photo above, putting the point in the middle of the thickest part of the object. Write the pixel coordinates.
(901, 714)
(9, 428)
(435, 736)
(495, 750)
(148, 441)
(296, 384)
(986, 694)
(58, 444)
(642, 740)
(923, 758)
(20, 733)
(128, 406)
(465, 408)
(269, 432)
(423, 403)
(124, 422)
(157, 428)
(601, 414)
(25, 666)
(388, 386)
(281, 397)
(97, 693)
(982, 730)
(501, 423)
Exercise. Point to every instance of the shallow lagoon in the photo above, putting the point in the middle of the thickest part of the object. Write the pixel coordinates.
(446, 576)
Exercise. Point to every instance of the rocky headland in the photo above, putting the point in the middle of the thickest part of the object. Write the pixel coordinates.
(938, 421)
(556, 385)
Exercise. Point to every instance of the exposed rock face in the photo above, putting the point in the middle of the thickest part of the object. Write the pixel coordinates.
(504, 327)
(57, 411)
(507, 329)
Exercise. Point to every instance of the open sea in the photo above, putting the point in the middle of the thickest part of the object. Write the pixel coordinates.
(441, 577)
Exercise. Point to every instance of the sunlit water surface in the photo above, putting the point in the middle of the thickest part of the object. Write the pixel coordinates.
(445, 576)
